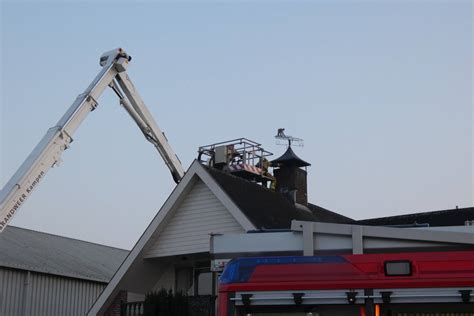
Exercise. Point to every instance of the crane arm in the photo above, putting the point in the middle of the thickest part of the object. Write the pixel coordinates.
(57, 139)
(142, 116)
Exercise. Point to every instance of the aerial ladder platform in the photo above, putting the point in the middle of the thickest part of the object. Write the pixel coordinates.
(59, 137)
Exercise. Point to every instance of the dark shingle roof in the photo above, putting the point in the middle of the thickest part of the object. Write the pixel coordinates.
(289, 158)
(452, 217)
(41, 252)
(329, 216)
(267, 209)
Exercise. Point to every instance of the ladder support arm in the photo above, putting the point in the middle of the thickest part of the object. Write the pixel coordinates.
(57, 139)
(142, 116)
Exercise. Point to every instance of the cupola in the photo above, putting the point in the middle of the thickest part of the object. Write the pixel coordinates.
(291, 174)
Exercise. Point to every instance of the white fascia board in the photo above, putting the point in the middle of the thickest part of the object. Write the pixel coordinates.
(196, 170)
(388, 232)
(138, 251)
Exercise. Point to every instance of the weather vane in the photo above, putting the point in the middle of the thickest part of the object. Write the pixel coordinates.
(283, 139)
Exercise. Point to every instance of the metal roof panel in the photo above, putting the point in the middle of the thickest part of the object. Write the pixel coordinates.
(46, 253)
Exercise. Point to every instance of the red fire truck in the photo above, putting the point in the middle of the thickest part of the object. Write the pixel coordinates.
(394, 284)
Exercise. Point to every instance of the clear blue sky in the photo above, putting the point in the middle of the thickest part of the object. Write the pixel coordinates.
(381, 93)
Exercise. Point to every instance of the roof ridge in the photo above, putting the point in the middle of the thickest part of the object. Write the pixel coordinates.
(421, 213)
(66, 237)
(332, 212)
(241, 179)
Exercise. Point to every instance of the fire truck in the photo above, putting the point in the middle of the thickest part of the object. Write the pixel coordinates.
(325, 269)
(401, 284)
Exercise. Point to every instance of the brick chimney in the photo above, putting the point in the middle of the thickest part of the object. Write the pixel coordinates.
(291, 179)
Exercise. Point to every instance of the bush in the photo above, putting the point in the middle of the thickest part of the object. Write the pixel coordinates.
(165, 303)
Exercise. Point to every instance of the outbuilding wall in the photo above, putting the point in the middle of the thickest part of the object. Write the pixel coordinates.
(36, 294)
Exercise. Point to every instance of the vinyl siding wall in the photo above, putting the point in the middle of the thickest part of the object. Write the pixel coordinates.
(40, 294)
(200, 214)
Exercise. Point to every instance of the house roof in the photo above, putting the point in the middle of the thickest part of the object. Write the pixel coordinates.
(41, 252)
(451, 217)
(253, 206)
(267, 209)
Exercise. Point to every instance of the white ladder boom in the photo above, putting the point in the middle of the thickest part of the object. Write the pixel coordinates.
(57, 139)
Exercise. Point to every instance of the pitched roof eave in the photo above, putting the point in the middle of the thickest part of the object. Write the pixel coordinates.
(147, 238)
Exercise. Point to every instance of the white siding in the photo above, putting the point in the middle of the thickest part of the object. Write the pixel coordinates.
(44, 294)
(200, 214)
